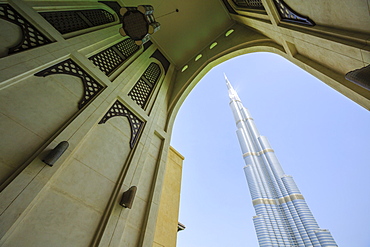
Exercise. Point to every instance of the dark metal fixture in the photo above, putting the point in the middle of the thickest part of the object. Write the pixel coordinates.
(180, 227)
(128, 197)
(138, 23)
(55, 154)
(360, 77)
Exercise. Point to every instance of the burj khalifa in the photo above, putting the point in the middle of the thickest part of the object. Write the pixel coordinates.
(282, 214)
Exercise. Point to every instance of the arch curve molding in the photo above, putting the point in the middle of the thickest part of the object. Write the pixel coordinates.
(262, 44)
(178, 97)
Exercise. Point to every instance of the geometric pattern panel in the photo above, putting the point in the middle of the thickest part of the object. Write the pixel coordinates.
(127, 47)
(118, 109)
(250, 4)
(111, 58)
(289, 15)
(74, 20)
(107, 61)
(69, 67)
(65, 21)
(31, 36)
(98, 16)
(152, 73)
(143, 88)
(140, 93)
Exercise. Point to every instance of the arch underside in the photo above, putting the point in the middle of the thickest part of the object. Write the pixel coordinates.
(333, 76)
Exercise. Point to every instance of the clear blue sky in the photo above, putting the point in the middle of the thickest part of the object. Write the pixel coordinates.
(320, 137)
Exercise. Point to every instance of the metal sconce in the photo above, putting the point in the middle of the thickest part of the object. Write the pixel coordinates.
(138, 23)
(128, 197)
(360, 77)
(180, 227)
(55, 154)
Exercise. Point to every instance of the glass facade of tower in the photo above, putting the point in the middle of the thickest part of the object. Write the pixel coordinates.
(282, 215)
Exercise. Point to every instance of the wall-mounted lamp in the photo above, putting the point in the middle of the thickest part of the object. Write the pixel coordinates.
(55, 154)
(128, 197)
(360, 77)
(180, 227)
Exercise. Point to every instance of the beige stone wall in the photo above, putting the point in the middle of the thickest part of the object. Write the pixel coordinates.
(340, 14)
(168, 212)
(40, 106)
(75, 202)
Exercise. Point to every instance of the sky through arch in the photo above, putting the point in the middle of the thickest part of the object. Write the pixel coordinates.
(320, 137)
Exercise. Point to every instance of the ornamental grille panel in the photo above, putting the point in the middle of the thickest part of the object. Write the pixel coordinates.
(98, 16)
(74, 20)
(65, 21)
(107, 61)
(118, 109)
(111, 58)
(140, 93)
(91, 87)
(289, 15)
(251, 4)
(152, 73)
(127, 47)
(31, 36)
(142, 90)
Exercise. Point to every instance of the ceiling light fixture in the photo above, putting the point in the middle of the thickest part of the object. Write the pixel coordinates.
(229, 32)
(212, 45)
(138, 23)
(185, 68)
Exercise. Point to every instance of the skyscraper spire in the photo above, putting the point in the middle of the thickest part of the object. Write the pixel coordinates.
(232, 92)
(282, 215)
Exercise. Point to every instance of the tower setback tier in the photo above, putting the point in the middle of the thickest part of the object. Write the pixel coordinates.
(282, 214)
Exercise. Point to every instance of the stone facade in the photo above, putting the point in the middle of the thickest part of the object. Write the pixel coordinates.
(73, 84)
(168, 212)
